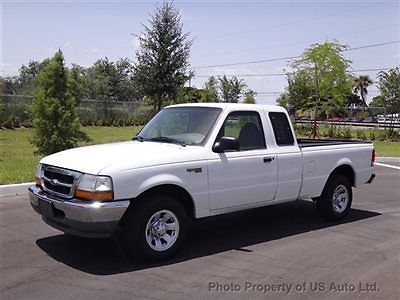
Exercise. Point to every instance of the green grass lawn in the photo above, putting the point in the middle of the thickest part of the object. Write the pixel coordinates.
(389, 149)
(18, 162)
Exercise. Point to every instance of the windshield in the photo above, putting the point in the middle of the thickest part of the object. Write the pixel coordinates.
(186, 125)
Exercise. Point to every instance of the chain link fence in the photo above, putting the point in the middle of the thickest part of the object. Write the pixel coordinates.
(16, 110)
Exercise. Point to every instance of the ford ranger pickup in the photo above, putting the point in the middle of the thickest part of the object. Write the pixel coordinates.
(193, 161)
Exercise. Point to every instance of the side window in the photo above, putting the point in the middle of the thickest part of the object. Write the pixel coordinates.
(246, 127)
(282, 131)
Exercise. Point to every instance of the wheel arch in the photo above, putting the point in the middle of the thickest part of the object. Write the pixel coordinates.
(346, 171)
(173, 190)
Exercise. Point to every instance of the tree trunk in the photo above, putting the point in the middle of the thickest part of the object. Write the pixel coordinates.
(314, 130)
(365, 103)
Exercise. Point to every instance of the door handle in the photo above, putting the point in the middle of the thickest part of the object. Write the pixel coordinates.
(268, 159)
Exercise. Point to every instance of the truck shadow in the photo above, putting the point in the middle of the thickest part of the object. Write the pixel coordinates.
(208, 236)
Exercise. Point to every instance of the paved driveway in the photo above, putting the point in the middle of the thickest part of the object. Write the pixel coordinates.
(284, 250)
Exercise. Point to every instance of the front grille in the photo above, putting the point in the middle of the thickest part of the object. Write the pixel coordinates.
(58, 181)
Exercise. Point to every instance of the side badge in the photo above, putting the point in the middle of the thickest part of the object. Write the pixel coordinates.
(194, 170)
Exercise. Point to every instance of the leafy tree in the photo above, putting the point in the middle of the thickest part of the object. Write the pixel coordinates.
(54, 110)
(107, 80)
(28, 74)
(327, 69)
(210, 90)
(99, 80)
(377, 101)
(124, 88)
(189, 95)
(26, 82)
(249, 97)
(76, 82)
(162, 58)
(231, 89)
(283, 100)
(8, 85)
(389, 86)
(300, 91)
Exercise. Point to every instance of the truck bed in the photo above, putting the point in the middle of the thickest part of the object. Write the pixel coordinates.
(305, 143)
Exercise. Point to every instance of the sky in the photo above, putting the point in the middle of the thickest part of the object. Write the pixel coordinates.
(230, 33)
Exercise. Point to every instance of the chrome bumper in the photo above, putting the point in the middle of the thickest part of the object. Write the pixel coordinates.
(96, 219)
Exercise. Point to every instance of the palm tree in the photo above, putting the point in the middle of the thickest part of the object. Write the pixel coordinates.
(231, 88)
(360, 86)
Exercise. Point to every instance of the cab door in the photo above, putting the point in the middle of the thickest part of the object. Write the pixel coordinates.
(245, 176)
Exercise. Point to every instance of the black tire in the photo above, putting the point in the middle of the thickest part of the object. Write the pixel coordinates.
(134, 229)
(328, 208)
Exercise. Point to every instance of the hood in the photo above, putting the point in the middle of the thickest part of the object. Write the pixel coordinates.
(133, 154)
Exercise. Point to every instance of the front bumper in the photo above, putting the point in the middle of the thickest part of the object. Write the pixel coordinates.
(98, 219)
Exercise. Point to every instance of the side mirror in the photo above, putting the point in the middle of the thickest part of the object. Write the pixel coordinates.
(226, 143)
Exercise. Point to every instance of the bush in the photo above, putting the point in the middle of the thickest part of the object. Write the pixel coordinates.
(87, 116)
(15, 115)
(332, 132)
(345, 133)
(302, 130)
(361, 134)
(55, 119)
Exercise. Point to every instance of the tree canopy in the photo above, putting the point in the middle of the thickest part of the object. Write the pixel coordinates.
(231, 89)
(163, 56)
(322, 72)
(389, 86)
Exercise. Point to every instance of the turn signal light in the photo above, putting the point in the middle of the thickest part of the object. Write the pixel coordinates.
(87, 195)
(37, 181)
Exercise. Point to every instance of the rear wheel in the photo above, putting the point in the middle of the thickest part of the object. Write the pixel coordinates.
(335, 201)
(156, 228)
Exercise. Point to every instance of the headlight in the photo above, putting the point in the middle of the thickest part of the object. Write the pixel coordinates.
(37, 174)
(92, 187)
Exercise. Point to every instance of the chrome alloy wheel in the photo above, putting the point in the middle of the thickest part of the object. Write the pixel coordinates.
(162, 230)
(340, 199)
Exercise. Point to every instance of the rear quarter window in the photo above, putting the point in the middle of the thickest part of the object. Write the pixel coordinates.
(282, 131)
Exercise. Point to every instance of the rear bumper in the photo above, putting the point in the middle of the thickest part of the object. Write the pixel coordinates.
(98, 219)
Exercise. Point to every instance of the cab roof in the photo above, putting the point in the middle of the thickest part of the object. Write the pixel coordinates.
(232, 106)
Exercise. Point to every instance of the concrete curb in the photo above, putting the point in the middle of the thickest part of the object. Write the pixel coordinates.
(388, 159)
(15, 189)
(22, 188)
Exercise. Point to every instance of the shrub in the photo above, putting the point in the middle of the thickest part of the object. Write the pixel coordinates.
(372, 136)
(346, 133)
(302, 130)
(55, 117)
(361, 134)
(332, 132)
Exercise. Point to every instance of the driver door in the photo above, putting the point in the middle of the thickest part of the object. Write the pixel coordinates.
(246, 176)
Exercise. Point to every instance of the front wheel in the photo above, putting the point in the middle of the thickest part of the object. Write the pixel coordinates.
(335, 201)
(155, 229)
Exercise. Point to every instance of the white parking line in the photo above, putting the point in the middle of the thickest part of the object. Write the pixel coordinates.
(387, 166)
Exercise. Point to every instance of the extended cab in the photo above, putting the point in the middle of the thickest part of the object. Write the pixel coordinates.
(192, 161)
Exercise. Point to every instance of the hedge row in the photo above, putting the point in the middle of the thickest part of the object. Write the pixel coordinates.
(343, 132)
(12, 116)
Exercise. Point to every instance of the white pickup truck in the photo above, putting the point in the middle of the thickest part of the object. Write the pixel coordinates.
(193, 161)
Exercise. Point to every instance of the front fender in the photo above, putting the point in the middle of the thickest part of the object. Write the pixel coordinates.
(160, 179)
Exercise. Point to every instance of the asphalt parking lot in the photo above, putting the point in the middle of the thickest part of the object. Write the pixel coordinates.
(284, 250)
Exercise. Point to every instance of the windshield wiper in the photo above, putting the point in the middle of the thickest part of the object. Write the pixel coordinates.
(138, 138)
(166, 139)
